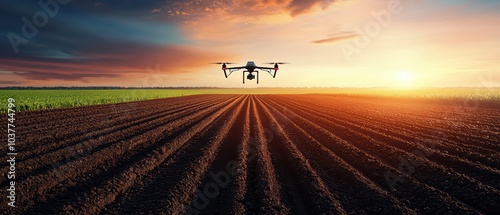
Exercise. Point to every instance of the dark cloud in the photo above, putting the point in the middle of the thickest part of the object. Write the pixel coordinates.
(109, 59)
(93, 39)
(192, 9)
(337, 37)
(116, 8)
(297, 7)
(62, 76)
(113, 38)
(4, 82)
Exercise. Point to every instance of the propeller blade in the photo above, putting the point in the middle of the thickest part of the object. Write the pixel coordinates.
(222, 63)
(278, 63)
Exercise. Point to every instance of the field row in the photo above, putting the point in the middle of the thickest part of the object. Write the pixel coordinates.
(272, 154)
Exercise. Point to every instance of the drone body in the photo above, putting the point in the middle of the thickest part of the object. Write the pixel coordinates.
(250, 69)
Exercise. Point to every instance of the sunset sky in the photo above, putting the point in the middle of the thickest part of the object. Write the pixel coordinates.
(355, 43)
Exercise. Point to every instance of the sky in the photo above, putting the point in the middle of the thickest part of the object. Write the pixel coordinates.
(328, 43)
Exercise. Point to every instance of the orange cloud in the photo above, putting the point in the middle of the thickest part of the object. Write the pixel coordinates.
(337, 37)
(120, 62)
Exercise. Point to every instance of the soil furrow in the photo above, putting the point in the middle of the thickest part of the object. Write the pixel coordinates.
(96, 199)
(66, 174)
(309, 194)
(332, 168)
(79, 150)
(483, 197)
(484, 174)
(257, 154)
(267, 185)
(375, 167)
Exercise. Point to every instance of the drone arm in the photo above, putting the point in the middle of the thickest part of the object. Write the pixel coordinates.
(264, 68)
(269, 70)
(229, 71)
(235, 68)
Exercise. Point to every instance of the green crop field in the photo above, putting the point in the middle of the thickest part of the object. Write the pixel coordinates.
(58, 98)
(34, 99)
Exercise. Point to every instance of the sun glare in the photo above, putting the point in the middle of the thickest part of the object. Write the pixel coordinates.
(404, 77)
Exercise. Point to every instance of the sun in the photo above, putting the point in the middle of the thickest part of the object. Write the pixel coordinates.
(404, 77)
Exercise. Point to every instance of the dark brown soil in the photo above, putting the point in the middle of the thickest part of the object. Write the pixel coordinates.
(266, 154)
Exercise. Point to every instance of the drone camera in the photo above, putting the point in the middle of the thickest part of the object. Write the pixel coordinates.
(250, 77)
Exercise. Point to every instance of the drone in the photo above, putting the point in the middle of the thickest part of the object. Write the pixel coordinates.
(250, 69)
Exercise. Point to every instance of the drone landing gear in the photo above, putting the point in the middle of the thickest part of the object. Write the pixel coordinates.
(252, 77)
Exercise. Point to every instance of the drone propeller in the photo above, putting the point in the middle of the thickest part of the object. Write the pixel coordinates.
(222, 63)
(278, 63)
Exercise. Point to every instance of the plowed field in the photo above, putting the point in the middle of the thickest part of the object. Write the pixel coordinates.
(247, 154)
